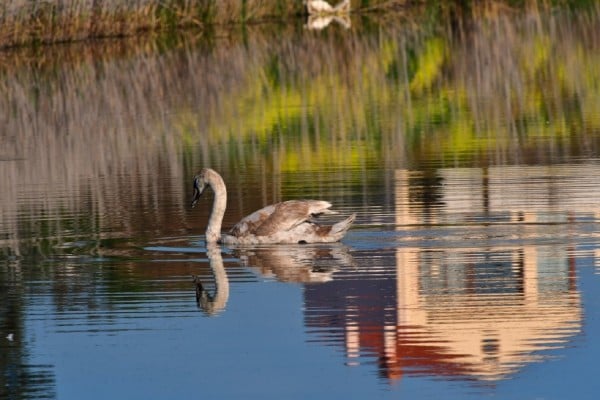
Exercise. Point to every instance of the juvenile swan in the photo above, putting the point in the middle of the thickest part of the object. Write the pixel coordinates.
(287, 222)
(321, 7)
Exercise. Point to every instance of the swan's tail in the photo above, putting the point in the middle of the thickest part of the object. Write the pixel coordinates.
(338, 230)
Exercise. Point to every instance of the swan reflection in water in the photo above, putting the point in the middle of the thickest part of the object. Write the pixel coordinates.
(299, 264)
(321, 14)
(213, 304)
(320, 22)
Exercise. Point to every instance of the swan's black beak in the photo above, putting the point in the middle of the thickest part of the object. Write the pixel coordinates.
(197, 191)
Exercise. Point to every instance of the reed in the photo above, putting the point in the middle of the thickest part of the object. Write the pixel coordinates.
(25, 22)
(39, 21)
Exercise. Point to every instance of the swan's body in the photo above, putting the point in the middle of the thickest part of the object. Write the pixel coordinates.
(321, 7)
(287, 222)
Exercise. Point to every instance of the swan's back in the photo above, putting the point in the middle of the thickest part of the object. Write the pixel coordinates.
(280, 217)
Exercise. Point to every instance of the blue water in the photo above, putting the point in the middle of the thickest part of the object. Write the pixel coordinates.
(148, 342)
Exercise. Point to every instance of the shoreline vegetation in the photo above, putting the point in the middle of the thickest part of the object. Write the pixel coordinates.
(38, 22)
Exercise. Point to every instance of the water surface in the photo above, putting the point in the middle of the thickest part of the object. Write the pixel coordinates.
(470, 157)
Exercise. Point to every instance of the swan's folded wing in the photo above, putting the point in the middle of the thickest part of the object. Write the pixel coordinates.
(249, 224)
(289, 214)
(279, 217)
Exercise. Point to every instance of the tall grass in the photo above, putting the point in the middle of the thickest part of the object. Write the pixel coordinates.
(49, 21)
(45, 21)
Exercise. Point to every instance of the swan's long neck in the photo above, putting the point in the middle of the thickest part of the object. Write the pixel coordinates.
(213, 230)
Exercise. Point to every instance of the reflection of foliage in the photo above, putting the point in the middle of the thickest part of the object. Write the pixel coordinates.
(429, 65)
(506, 84)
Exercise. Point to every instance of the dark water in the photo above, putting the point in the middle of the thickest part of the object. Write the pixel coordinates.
(470, 157)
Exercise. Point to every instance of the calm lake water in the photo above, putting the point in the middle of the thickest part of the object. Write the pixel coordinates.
(470, 151)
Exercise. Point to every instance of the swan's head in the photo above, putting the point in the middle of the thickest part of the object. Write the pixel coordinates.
(209, 177)
(200, 184)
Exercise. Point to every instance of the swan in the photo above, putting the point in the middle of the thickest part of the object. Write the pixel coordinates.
(322, 7)
(289, 222)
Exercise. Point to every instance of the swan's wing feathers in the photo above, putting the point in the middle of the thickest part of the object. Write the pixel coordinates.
(249, 224)
(289, 214)
(280, 217)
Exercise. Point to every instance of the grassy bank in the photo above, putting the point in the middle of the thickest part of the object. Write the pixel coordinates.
(50, 21)
(26, 22)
